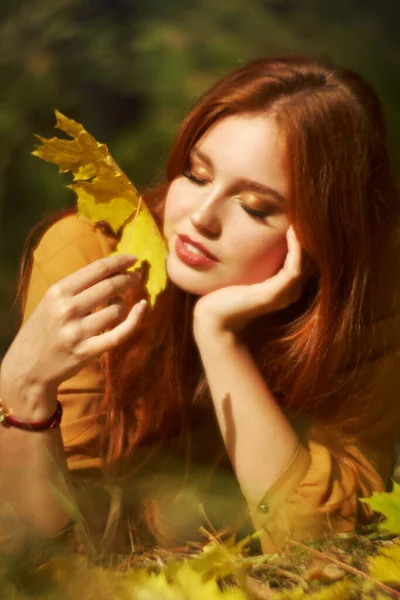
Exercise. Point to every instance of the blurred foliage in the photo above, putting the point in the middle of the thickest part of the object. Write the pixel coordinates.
(347, 567)
(130, 69)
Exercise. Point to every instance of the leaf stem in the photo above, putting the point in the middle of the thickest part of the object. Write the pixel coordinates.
(133, 225)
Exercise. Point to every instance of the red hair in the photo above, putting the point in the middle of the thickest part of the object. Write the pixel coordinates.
(344, 206)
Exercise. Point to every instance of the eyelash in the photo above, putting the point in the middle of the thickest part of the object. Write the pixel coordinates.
(254, 213)
(192, 177)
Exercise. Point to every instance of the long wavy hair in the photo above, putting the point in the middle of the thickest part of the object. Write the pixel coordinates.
(344, 204)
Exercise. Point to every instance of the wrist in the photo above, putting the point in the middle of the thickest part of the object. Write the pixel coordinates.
(206, 329)
(7, 419)
(205, 320)
(30, 401)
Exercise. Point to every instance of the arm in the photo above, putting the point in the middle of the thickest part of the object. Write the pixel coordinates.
(263, 447)
(258, 437)
(67, 246)
(293, 492)
(31, 463)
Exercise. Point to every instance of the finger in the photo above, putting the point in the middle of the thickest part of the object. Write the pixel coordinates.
(294, 269)
(110, 339)
(102, 291)
(96, 271)
(286, 279)
(104, 319)
(293, 262)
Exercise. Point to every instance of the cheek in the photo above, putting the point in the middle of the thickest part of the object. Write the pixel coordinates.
(267, 262)
(173, 208)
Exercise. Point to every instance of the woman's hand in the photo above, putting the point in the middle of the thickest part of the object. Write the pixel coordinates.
(232, 307)
(65, 332)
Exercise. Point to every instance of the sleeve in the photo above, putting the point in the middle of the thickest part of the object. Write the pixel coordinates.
(68, 245)
(316, 496)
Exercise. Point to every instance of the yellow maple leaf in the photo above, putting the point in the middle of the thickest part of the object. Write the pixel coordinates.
(196, 587)
(185, 584)
(385, 566)
(106, 194)
(223, 558)
(388, 504)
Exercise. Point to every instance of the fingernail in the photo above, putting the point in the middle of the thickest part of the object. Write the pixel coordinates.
(130, 257)
(141, 307)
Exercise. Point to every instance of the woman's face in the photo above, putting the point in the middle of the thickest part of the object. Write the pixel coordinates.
(235, 168)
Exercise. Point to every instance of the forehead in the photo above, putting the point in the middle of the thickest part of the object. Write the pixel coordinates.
(245, 146)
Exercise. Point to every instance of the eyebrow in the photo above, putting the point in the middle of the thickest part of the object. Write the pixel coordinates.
(249, 184)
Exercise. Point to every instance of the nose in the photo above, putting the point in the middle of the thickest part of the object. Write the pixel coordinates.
(206, 218)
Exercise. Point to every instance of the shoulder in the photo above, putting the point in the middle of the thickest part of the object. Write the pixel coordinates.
(66, 246)
(69, 244)
(76, 232)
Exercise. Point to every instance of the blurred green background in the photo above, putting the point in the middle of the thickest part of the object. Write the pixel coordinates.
(129, 70)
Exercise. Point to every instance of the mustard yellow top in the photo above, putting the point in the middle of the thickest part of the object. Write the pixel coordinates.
(316, 495)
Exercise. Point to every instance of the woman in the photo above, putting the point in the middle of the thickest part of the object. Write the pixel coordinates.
(273, 352)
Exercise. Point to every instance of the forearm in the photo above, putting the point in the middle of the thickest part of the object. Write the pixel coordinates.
(32, 464)
(259, 439)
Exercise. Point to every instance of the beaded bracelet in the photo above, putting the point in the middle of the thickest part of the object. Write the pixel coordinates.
(9, 421)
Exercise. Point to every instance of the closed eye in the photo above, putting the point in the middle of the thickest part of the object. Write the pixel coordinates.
(193, 178)
(257, 214)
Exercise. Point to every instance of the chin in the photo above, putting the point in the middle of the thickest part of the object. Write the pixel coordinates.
(190, 282)
(187, 286)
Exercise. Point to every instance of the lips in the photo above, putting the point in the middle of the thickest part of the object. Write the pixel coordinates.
(186, 238)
